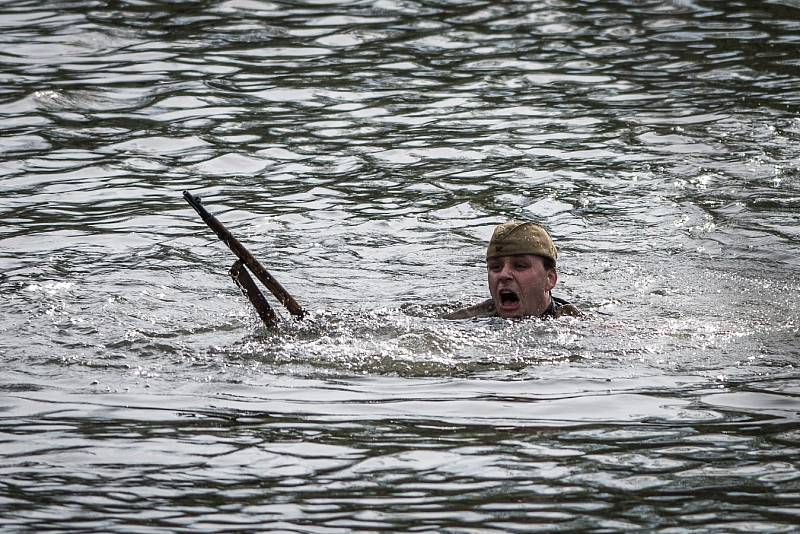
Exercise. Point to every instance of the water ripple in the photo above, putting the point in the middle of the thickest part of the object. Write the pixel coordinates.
(364, 152)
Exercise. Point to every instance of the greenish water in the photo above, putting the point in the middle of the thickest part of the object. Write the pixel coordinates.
(363, 151)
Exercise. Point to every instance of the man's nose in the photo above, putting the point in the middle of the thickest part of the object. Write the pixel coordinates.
(505, 272)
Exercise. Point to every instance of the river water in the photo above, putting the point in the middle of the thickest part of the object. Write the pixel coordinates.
(363, 151)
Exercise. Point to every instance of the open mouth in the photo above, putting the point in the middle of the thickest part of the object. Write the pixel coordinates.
(508, 298)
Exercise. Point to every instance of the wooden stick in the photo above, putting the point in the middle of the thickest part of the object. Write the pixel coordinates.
(244, 255)
(250, 289)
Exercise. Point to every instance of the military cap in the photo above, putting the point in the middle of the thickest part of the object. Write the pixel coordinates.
(517, 237)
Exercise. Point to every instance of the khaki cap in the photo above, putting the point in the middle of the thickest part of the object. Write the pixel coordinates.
(516, 237)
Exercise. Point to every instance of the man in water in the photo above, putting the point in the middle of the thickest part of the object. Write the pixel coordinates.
(521, 260)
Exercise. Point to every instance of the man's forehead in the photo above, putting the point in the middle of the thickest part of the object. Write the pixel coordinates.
(513, 256)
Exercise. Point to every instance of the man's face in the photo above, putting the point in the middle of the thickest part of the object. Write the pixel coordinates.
(520, 285)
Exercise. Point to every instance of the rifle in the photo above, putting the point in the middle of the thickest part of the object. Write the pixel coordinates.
(256, 298)
(246, 258)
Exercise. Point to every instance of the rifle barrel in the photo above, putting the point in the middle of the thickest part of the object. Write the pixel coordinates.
(247, 258)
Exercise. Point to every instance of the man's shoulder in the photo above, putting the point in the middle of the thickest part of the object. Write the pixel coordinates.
(558, 308)
(478, 311)
(562, 308)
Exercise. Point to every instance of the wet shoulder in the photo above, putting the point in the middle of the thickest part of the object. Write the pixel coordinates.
(562, 308)
(484, 309)
(558, 308)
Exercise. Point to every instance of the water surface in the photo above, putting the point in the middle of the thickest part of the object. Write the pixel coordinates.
(364, 151)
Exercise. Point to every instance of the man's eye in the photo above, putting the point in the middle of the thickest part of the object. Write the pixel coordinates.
(521, 266)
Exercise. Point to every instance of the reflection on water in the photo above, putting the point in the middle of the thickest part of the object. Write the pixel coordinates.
(364, 151)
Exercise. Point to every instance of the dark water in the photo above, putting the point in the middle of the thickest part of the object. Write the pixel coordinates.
(364, 151)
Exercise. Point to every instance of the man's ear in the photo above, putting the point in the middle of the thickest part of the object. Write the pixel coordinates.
(552, 278)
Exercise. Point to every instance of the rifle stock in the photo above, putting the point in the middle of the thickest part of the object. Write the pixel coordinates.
(245, 256)
(256, 298)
